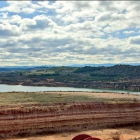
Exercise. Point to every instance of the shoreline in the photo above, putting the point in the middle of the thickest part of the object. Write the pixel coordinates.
(70, 89)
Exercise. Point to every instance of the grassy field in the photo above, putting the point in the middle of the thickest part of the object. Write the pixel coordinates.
(40, 97)
(57, 97)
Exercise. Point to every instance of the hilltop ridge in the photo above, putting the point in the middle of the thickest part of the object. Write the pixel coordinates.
(124, 77)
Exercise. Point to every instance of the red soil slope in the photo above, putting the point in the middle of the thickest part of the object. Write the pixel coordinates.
(52, 118)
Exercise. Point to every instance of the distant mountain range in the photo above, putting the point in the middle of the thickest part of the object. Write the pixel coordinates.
(18, 68)
(15, 68)
(105, 65)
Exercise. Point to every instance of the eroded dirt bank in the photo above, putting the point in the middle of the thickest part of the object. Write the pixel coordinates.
(65, 117)
(103, 134)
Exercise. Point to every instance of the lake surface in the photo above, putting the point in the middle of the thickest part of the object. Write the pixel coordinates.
(10, 88)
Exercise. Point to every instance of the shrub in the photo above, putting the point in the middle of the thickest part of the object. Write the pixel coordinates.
(115, 136)
(135, 139)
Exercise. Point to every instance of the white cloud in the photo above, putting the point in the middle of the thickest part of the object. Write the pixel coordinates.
(15, 19)
(129, 32)
(135, 40)
(8, 30)
(69, 32)
(20, 7)
(39, 22)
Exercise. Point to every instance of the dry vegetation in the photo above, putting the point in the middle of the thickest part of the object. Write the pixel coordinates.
(27, 114)
(61, 97)
(115, 136)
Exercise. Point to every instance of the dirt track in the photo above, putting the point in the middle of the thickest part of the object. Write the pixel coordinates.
(65, 117)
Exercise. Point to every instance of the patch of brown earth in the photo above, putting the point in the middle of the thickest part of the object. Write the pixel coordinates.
(65, 117)
(103, 134)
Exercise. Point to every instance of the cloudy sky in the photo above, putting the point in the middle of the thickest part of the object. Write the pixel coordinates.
(65, 33)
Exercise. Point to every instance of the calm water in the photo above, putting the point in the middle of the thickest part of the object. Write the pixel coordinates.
(10, 88)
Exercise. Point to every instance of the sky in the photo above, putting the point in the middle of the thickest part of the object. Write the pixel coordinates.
(69, 32)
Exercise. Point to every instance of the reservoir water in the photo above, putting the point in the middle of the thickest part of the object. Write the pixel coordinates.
(11, 88)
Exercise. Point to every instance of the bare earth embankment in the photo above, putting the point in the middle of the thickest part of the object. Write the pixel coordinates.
(66, 113)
